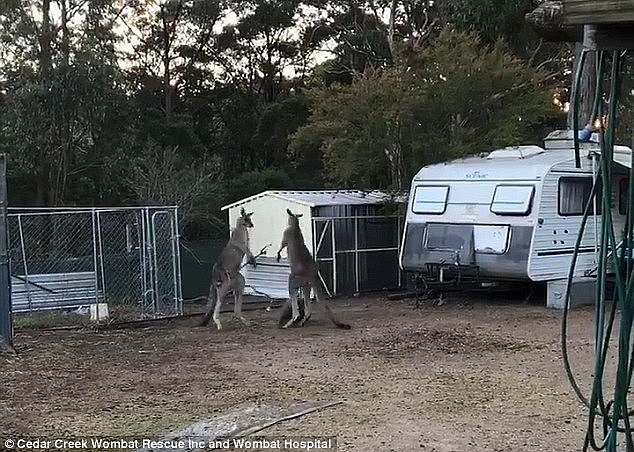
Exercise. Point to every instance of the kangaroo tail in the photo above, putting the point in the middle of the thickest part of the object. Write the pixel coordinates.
(319, 292)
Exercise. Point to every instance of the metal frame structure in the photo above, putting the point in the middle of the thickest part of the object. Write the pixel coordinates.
(329, 223)
(144, 236)
(6, 324)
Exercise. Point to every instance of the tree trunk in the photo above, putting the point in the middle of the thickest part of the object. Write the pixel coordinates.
(64, 157)
(390, 37)
(587, 87)
(167, 74)
(45, 40)
(65, 42)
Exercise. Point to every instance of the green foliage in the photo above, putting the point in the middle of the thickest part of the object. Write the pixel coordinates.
(361, 39)
(201, 102)
(161, 175)
(450, 99)
(254, 182)
(491, 19)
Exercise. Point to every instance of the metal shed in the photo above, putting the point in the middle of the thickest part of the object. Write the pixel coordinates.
(355, 236)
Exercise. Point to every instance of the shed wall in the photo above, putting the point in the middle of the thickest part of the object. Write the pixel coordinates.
(269, 221)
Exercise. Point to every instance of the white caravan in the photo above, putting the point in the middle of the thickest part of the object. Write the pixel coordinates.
(512, 214)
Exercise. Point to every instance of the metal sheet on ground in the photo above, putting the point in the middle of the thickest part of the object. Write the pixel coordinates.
(242, 421)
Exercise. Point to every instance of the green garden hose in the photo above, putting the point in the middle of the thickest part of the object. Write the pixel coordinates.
(614, 413)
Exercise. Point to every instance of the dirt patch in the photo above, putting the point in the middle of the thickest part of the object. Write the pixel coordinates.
(434, 341)
(461, 377)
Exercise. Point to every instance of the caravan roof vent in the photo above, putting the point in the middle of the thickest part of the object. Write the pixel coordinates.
(516, 152)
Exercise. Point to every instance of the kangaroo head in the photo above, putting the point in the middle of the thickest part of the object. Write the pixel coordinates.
(244, 220)
(293, 218)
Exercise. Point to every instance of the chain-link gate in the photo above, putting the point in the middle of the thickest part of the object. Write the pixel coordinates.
(64, 258)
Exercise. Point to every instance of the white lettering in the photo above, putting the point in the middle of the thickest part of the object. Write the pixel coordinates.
(168, 444)
(98, 443)
(219, 444)
(77, 444)
(34, 444)
(308, 444)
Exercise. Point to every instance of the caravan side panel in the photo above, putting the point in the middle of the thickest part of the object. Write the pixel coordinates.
(556, 233)
(555, 236)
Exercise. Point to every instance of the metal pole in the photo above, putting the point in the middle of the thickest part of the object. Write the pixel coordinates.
(141, 236)
(398, 252)
(334, 258)
(173, 242)
(594, 209)
(178, 262)
(150, 264)
(6, 321)
(94, 259)
(356, 253)
(26, 270)
(103, 273)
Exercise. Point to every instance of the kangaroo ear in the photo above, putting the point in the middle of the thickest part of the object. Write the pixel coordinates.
(299, 215)
(242, 212)
(288, 211)
(249, 214)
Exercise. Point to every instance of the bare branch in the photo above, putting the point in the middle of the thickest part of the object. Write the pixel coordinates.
(535, 52)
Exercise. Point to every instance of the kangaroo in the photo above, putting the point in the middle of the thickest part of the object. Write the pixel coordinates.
(225, 274)
(304, 274)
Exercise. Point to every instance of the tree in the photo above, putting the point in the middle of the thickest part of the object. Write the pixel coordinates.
(57, 90)
(452, 98)
(356, 37)
(161, 175)
(173, 44)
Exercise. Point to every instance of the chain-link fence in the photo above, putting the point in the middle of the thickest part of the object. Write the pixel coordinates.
(119, 262)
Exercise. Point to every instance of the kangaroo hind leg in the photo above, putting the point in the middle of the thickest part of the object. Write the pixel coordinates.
(220, 295)
(238, 290)
(293, 287)
(307, 303)
(212, 297)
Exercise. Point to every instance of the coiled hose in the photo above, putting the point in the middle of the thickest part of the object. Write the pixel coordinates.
(614, 413)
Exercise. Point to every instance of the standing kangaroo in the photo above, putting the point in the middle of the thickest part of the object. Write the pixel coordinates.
(225, 274)
(304, 274)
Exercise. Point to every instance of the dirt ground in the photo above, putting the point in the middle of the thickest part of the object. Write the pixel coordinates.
(483, 375)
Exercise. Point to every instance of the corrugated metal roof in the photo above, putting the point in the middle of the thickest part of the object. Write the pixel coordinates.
(314, 198)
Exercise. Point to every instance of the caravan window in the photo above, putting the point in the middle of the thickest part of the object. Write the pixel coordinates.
(573, 194)
(430, 199)
(512, 199)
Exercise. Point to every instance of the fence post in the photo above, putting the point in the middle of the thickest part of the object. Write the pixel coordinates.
(149, 262)
(334, 259)
(357, 285)
(101, 264)
(6, 323)
(177, 256)
(93, 218)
